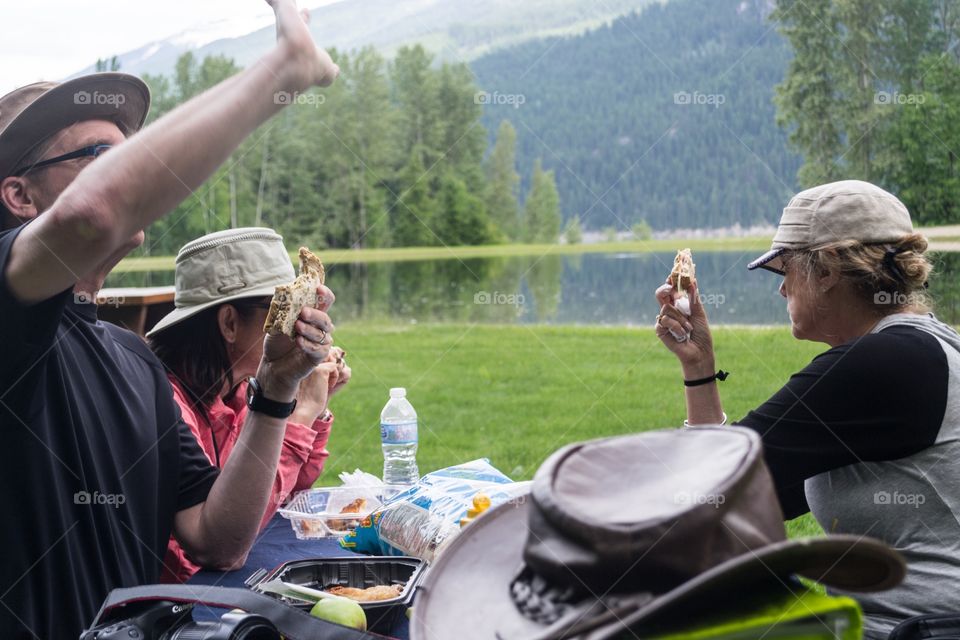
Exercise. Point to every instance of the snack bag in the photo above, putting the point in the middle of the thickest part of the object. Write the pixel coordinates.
(422, 520)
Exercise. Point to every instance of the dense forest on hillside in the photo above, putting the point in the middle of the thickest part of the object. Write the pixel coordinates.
(689, 113)
(392, 154)
(665, 116)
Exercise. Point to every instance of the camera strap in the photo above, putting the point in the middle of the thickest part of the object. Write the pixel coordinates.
(290, 621)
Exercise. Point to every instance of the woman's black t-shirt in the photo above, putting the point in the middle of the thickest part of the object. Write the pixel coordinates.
(879, 397)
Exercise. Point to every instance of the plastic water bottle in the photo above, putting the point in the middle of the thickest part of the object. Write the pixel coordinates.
(398, 435)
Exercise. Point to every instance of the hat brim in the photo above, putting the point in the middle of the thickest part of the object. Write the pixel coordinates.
(771, 261)
(182, 313)
(61, 107)
(474, 573)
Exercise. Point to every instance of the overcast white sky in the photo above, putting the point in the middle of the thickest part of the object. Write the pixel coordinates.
(50, 39)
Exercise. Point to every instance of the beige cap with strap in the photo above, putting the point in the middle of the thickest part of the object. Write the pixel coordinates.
(845, 210)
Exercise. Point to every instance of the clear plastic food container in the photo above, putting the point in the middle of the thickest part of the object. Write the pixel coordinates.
(332, 511)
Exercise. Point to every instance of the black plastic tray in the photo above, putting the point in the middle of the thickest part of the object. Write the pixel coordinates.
(360, 573)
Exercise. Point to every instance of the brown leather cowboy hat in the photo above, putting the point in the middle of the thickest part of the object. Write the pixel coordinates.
(31, 114)
(626, 532)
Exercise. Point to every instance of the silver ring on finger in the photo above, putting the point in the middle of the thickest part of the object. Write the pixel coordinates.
(323, 337)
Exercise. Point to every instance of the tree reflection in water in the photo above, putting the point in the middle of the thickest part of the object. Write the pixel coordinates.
(605, 289)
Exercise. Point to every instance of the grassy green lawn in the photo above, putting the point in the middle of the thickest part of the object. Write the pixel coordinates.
(514, 394)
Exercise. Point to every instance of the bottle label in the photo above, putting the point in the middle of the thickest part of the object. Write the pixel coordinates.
(398, 432)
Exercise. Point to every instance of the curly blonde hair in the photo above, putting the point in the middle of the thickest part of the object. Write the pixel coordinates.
(889, 277)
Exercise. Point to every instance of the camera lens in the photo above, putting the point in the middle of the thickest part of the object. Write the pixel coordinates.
(232, 626)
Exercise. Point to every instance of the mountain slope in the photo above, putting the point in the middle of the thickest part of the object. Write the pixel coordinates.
(453, 29)
(665, 115)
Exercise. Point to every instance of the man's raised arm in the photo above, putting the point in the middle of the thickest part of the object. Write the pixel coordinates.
(96, 218)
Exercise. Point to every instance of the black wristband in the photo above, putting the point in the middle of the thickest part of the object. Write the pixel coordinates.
(258, 402)
(720, 375)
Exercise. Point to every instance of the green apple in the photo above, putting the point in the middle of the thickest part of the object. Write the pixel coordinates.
(342, 611)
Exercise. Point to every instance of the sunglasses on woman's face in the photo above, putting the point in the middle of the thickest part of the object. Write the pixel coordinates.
(247, 303)
(91, 151)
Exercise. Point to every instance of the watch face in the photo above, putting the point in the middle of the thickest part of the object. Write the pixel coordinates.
(253, 388)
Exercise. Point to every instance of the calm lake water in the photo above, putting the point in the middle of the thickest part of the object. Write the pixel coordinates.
(600, 289)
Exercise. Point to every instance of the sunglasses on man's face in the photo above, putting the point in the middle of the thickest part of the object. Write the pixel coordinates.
(92, 151)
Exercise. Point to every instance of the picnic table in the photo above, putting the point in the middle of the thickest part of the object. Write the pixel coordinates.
(275, 545)
(134, 308)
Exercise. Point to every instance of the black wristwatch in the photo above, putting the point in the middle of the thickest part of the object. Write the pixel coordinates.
(256, 401)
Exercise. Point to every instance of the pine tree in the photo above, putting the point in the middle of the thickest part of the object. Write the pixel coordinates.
(413, 212)
(113, 64)
(642, 230)
(414, 91)
(462, 139)
(358, 130)
(462, 218)
(921, 165)
(805, 98)
(573, 234)
(542, 209)
(503, 182)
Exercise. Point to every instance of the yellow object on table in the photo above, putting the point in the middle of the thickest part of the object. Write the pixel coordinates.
(481, 502)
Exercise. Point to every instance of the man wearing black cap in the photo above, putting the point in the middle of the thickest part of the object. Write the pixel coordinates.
(97, 466)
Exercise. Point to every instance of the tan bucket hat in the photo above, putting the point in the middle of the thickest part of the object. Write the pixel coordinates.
(31, 114)
(224, 266)
(845, 210)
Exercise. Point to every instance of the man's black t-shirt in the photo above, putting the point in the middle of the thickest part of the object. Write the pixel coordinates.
(881, 396)
(95, 461)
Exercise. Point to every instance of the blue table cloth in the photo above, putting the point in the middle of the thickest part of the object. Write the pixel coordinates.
(275, 545)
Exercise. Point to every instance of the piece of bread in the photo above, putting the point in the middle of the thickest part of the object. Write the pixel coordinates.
(370, 594)
(355, 507)
(684, 271)
(289, 299)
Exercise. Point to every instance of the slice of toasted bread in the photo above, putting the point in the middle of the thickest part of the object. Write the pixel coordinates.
(684, 271)
(370, 594)
(289, 299)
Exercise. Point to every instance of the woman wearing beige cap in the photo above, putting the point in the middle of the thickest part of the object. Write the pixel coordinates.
(212, 343)
(867, 435)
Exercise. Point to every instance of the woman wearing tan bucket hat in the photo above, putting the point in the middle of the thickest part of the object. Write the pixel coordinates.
(867, 435)
(212, 342)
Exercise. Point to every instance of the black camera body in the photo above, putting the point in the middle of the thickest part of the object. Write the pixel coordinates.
(167, 620)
